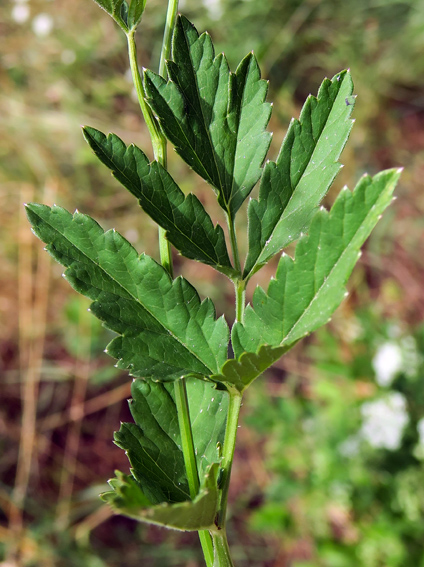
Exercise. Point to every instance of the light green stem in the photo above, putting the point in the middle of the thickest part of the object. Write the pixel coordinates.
(233, 240)
(171, 16)
(221, 550)
(158, 140)
(240, 288)
(228, 453)
(187, 444)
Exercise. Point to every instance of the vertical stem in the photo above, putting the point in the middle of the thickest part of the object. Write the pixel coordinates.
(240, 287)
(183, 412)
(233, 240)
(228, 452)
(158, 141)
(221, 550)
(171, 16)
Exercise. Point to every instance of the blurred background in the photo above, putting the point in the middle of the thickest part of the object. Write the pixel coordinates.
(329, 468)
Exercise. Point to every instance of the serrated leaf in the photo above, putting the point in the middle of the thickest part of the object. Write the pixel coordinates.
(128, 499)
(215, 119)
(165, 330)
(308, 289)
(293, 186)
(208, 416)
(189, 227)
(153, 443)
(240, 373)
(153, 446)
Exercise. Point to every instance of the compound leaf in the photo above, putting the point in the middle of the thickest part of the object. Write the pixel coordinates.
(189, 227)
(215, 119)
(292, 187)
(165, 331)
(308, 289)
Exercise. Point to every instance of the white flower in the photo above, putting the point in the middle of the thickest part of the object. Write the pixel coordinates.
(20, 13)
(384, 421)
(387, 362)
(42, 24)
(214, 8)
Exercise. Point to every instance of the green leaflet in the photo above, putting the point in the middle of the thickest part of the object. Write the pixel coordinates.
(165, 331)
(293, 186)
(128, 499)
(126, 13)
(215, 119)
(158, 484)
(309, 288)
(189, 227)
(153, 441)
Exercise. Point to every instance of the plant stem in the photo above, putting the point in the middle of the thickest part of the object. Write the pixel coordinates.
(228, 453)
(221, 549)
(158, 140)
(183, 412)
(240, 287)
(233, 240)
(171, 16)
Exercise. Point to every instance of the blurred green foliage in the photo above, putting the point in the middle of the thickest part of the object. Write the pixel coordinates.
(309, 490)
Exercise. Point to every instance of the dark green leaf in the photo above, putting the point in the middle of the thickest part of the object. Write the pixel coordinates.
(189, 227)
(165, 331)
(216, 119)
(293, 186)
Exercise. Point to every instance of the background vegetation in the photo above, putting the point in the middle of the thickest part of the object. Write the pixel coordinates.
(329, 468)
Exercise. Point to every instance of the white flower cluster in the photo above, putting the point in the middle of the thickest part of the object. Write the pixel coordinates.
(393, 357)
(384, 421)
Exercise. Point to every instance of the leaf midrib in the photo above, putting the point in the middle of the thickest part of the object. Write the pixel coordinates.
(169, 332)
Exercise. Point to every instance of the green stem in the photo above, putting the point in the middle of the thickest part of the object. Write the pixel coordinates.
(221, 549)
(183, 412)
(171, 16)
(240, 288)
(158, 141)
(233, 240)
(228, 453)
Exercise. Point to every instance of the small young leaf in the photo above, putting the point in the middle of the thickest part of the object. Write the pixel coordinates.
(309, 288)
(116, 9)
(189, 227)
(165, 331)
(128, 499)
(293, 186)
(216, 119)
(135, 12)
